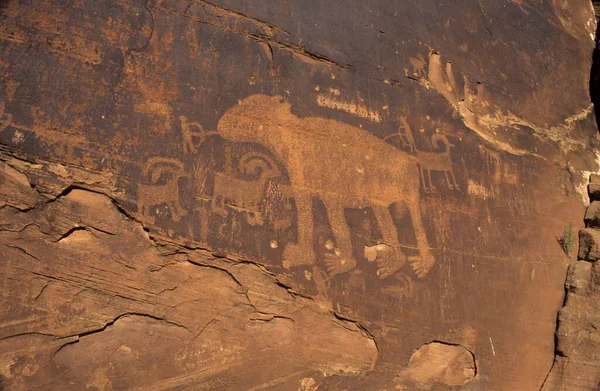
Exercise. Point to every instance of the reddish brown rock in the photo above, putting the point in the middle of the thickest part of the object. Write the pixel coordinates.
(577, 364)
(438, 364)
(217, 319)
(589, 245)
(592, 215)
(281, 195)
(594, 187)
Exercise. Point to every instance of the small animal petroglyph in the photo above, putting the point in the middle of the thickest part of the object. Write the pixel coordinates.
(418, 66)
(332, 101)
(491, 158)
(437, 161)
(502, 172)
(428, 161)
(243, 195)
(479, 190)
(163, 175)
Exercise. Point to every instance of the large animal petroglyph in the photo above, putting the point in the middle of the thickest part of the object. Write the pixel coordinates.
(344, 166)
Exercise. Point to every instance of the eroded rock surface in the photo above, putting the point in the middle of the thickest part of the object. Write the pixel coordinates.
(577, 363)
(108, 304)
(438, 364)
(289, 195)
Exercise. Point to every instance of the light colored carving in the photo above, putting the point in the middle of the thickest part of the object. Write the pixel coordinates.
(501, 172)
(346, 167)
(404, 134)
(428, 161)
(243, 195)
(153, 194)
(437, 161)
(188, 134)
(479, 190)
(418, 66)
(332, 101)
(482, 115)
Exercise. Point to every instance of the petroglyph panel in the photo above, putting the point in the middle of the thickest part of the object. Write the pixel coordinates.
(263, 170)
(287, 196)
(370, 172)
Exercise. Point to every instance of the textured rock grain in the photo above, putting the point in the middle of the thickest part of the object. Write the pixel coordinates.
(291, 195)
(577, 363)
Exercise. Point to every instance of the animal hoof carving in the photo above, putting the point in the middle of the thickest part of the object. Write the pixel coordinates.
(338, 264)
(421, 265)
(294, 255)
(388, 261)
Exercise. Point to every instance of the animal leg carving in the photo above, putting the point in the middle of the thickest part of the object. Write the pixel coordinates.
(448, 181)
(389, 256)
(424, 262)
(343, 260)
(422, 173)
(454, 183)
(432, 188)
(301, 252)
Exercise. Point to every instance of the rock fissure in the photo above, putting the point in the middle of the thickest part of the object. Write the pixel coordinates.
(107, 325)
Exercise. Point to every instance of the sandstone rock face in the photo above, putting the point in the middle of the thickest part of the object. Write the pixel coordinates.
(589, 242)
(257, 195)
(437, 364)
(577, 363)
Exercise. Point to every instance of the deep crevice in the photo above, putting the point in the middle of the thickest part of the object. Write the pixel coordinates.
(361, 328)
(111, 323)
(71, 231)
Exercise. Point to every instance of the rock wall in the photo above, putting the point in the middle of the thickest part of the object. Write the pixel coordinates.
(577, 363)
(300, 195)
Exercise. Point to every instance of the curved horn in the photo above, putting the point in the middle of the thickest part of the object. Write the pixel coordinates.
(158, 165)
(438, 139)
(250, 162)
